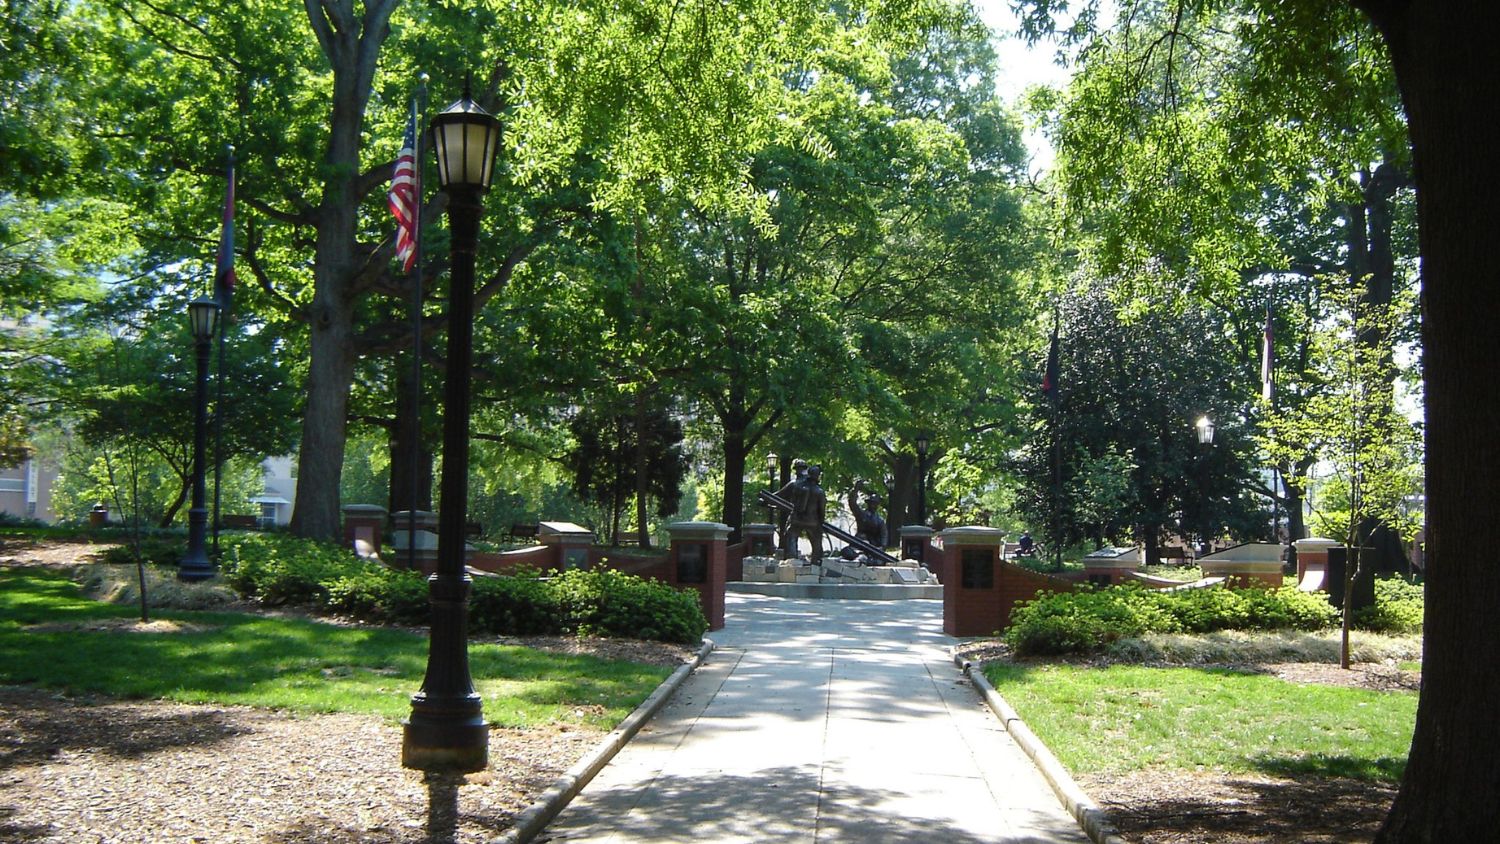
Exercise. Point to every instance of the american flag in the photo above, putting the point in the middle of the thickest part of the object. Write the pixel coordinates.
(403, 197)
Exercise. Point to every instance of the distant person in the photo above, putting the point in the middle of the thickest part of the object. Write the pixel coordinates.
(1025, 547)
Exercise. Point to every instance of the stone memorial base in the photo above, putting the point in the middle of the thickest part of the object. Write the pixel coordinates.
(837, 578)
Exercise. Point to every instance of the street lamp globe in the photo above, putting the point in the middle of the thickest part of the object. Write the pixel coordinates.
(203, 315)
(772, 461)
(1205, 428)
(465, 138)
(922, 442)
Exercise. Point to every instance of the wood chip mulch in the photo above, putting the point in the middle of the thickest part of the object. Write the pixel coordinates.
(141, 772)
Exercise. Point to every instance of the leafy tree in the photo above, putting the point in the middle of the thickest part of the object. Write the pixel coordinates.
(1115, 456)
(1438, 52)
(611, 443)
(1354, 427)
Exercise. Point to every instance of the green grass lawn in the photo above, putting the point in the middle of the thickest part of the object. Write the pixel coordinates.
(1126, 718)
(235, 658)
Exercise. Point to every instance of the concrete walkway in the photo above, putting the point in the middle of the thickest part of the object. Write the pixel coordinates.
(821, 721)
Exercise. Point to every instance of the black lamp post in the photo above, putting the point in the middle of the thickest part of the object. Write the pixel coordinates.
(772, 462)
(1205, 428)
(446, 732)
(923, 440)
(203, 313)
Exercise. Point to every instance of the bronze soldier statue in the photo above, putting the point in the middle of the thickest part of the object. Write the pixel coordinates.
(809, 505)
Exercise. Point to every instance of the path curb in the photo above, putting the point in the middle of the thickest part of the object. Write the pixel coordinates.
(1083, 809)
(535, 817)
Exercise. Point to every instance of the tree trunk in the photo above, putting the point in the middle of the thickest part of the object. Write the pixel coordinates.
(1443, 53)
(642, 481)
(351, 49)
(320, 461)
(734, 478)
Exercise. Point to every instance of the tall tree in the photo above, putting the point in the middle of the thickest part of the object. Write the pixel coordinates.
(1450, 89)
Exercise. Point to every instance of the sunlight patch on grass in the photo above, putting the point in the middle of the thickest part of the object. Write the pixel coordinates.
(291, 664)
(1128, 718)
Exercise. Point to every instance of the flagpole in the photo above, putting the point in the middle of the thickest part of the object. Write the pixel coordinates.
(1054, 371)
(1268, 387)
(224, 291)
(414, 449)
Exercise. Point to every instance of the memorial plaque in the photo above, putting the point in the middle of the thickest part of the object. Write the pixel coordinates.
(977, 567)
(692, 563)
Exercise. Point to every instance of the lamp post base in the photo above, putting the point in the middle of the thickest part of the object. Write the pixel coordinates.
(445, 739)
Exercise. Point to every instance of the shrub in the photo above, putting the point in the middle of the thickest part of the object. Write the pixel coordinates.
(1080, 622)
(157, 551)
(604, 602)
(1398, 608)
(281, 569)
(519, 605)
(381, 595)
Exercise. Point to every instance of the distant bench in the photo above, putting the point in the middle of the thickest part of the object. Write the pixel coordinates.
(240, 522)
(522, 531)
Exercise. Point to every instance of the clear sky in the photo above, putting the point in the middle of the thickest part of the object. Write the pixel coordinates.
(1021, 67)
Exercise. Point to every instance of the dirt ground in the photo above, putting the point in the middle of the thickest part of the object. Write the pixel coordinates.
(79, 769)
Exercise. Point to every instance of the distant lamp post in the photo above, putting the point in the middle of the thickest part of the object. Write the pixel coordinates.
(446, 732)
(203, 315)
(923, 441)
(772, 463)
(1205, 428)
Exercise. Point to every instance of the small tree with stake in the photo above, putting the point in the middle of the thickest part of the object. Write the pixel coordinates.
(1354, 425)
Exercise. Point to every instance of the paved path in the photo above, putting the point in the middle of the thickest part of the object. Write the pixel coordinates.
(821, 721)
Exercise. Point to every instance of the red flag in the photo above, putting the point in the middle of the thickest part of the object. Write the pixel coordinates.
(224, 277)
(403, 197)
(1050, 376)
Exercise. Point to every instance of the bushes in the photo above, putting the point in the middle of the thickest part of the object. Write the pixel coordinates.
(1080, 622)
(279, 569)
(1398, 608)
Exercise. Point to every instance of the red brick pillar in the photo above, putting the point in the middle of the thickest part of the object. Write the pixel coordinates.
(1312, 552)
(916, 544)
(570, 544)
(364, 525)
(973, 601)
(698, 561)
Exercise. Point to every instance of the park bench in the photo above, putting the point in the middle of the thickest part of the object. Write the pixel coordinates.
(240, 522)
(522, 531)
(1175, 555)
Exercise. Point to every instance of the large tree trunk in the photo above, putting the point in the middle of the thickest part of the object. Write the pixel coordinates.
(320, 462)
(351, 46)
(1444, 56)
(734, 478)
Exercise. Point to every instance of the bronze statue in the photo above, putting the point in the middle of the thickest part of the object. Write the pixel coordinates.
(869, 526)
(809, 504)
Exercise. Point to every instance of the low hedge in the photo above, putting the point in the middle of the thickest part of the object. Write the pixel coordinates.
(281, 569)
(1084, 621)
(1398, 608)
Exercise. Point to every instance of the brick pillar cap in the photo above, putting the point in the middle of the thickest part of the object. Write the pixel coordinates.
(364, 509)
(1315, 543)
(917, 530)
(563, 533)
(698, 530)
(972, 535)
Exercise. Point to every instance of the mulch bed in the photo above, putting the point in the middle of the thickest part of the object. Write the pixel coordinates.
(140, 772)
